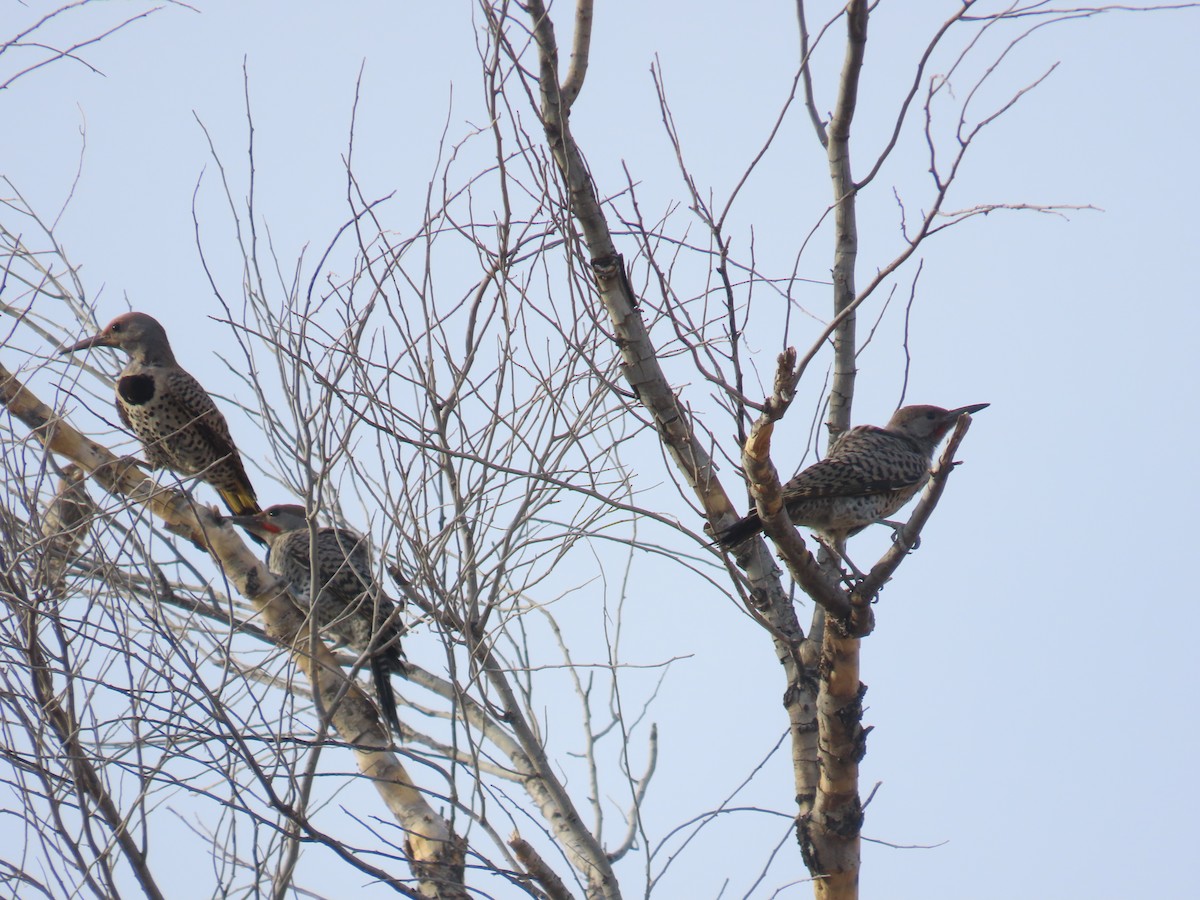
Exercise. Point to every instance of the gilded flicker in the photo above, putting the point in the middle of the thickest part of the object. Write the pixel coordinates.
(870, 473)
(172, 415)
(350, 606)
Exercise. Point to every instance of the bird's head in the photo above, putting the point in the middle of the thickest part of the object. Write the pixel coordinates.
(139, 335)
(273, 521)
(929, 424)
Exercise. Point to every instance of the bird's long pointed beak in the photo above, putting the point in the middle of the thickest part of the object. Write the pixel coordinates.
(96, 340)
(969, 410)
(252, 524)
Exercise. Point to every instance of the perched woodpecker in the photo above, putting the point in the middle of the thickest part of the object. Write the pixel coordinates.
(869, 474)
(171, 414)
(349, 604)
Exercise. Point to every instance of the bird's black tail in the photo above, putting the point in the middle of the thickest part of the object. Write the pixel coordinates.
(739, 531)
(382, 667)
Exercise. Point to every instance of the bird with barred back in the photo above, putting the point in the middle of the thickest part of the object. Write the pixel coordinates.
(869, 474)
(171, 414)
(349, 604)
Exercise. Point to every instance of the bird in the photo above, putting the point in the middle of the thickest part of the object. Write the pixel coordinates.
(349, 604)
(870, 473)
(176, 420)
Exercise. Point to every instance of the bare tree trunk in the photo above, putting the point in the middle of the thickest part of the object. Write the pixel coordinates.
(832, 836)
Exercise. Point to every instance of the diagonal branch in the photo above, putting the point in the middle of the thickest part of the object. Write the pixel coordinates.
(644, 374)
(641, 367)
(527, 753)
(906, 538)
(765, 488)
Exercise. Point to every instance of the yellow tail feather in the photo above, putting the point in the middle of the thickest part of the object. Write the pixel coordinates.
(240, 502)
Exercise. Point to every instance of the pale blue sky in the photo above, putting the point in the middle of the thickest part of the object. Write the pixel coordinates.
(1033, 674)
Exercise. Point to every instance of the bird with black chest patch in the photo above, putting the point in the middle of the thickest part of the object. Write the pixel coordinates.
(172, 415)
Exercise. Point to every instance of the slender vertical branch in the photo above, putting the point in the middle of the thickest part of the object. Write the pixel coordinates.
(810, 101)
(845, 195)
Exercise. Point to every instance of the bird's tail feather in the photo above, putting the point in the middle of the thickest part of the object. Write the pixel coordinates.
(381, 669)
(240, 501)
(739, 531)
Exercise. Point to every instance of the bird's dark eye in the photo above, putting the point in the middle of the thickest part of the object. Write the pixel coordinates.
(115, 327)
(274, 513)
